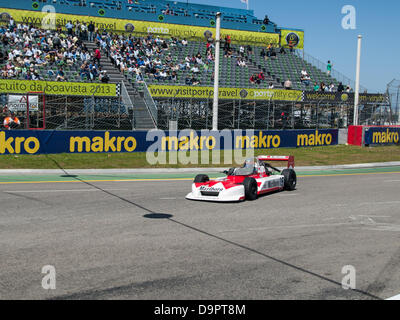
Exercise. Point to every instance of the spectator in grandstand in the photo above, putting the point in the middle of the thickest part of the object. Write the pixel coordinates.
(11, 121)
(2, 57)
(210, 57)
(349, 89)
(35, 75)
(306, 80)
(84, 71)
(195, 69)
(316, 86)
(322, 87)
(261, 76)
(271, 85)
(262, 53)
(329, 68)
(60, 76)
(288, 84)
(103, 77)
(56, 41)
(69, 26)
(340, 87)
(11, 23)
(270, 49)
(97, 56)
(228, 41)
(282, 50)
(266, 20)
(194, 81)
(253, 78)
(331, 87)
(91, 27)
(93, 71)
(163, 75)
(174, 76)
(184, 42)
(139, 78)
(240, 62)
(241, 51)
(249, 50)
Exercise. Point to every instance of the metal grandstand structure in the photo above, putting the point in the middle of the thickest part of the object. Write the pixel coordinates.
(393, 92)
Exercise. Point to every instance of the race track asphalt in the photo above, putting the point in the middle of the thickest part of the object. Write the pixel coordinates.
(143, 240)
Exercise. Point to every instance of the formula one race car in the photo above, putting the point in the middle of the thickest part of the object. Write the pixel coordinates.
(254, 178)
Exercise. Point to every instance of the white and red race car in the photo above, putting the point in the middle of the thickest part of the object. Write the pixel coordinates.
(254, 178)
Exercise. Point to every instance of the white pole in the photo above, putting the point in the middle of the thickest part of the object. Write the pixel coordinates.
(216, 70)
(357, 89)
(247, 2)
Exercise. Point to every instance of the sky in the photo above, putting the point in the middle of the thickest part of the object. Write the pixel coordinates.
(325, 39)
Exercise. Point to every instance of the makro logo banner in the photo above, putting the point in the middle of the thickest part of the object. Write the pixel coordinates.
(143, 27)
(58, 88)
(292, 38)
(50, 142)
(160, 91)
(381, 135)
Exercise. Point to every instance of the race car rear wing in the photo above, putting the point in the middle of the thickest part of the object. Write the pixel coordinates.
(289, 159)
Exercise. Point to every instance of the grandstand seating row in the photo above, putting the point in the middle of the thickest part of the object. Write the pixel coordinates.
(285, 66)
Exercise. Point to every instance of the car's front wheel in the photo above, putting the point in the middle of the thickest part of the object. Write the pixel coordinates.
(250, 188)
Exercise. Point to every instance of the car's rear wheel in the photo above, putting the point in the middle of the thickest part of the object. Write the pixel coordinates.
(201, 178)
(290, 179)
(250, 188)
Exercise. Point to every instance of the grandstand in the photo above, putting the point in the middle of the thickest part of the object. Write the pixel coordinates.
(157, 49)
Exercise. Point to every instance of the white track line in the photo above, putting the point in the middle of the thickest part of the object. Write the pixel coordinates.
(321, 225)
(394, 297)
(67, 190)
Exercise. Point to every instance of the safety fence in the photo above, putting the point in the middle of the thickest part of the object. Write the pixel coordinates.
(267, 114)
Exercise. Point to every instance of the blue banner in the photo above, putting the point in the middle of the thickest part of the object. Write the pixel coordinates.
(381, 135)
(49, 142)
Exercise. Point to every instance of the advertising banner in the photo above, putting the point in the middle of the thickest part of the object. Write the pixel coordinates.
(50, 142)
(381, 135)
(58, 88)
(312, 96)
(292, 38)
(142, 27)
(19, 103)
(161, 91)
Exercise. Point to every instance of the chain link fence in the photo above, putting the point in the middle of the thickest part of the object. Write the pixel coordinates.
(240, 114)
(55, 112)
(95, 113)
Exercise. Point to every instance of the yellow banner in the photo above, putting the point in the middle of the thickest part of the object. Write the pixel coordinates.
(292, 37)
(160, 91)
(141, 27)
(58, 88)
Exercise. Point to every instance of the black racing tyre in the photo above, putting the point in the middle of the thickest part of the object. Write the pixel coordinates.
(201, 178)
(250, 188)
(290, 179)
